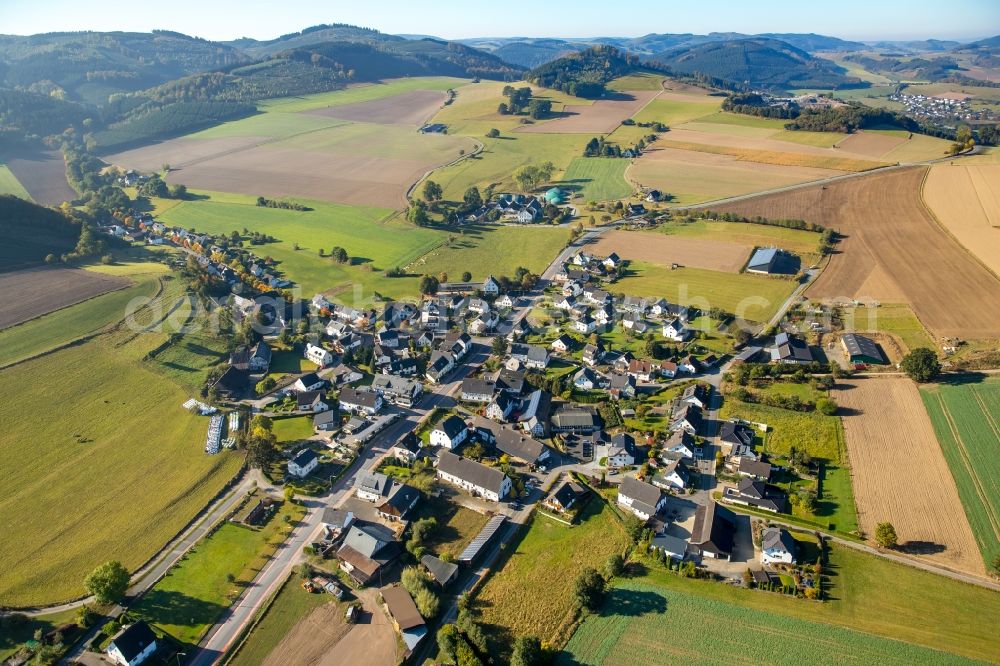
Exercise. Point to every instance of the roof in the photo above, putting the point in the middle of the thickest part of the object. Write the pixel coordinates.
(516, 445)
(308, 398)
(734, 432)
(488, 478)
(304, 457)
(374, 482)
(641, 491)
(789, 348)
(309, 379)
(715, 527)
(773, 260)
(484, 537)
(325, 418)
(401, 500)
(233, 380)
(134, 639)
(353, 396)
(369, 539)
(859, 345)
(774, 537)
(442, 571)
(359, 561)
(477, 386)
(451, 426)
(410, 442)
(574, 418)
(700, 392)
(754, 468)
(568, 493)
(339, 517)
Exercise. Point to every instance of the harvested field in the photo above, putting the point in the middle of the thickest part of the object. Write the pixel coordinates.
(900, 474)
(656, 248)
(785, 153)
(886, 226)
(43, 290)
(706, 133)
(966, 200)
(601, 117)
(411, 108)
(312, 637)
(182, 152)
(43, 175)
(872, 145)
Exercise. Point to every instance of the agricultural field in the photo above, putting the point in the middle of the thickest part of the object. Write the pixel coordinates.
(9, 184)
(966, 200)
(966, 422)
(532, 593)
(637, 81)
(885, 224)
(597, 178)
(752, 297)
(649, 624)
(899, 473)
(599, 117)
(665, 250)
(800, 242)
(674, 108)
(43, 175)
(130, 429)
(44, 290)
(894, 320)
(188, 600)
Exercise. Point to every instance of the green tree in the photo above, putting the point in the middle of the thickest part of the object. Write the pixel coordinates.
(265, 385)
(466, 276)
(493, 133)
(499, 345)
(472, 197)
(634, 526)
(588, 589)
(432, 191)
(108, 582)
(447, 640)
(428, 285)
(921, 364)
(261, 446)
(885, 535)
(527, 652)
(428, 603)
(615, 566)
(827, 406)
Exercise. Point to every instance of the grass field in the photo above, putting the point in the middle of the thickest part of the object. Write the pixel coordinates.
(293, 429)
(360, 93)
(966, 419)
(290, 605)
(897, 319)
(756, 235)
(675, 109)
(82, 479)
(195, 592)
(532, 592)
(9, 184)
(647, 624)
(637, 81)
(597, 178)
(753, 297)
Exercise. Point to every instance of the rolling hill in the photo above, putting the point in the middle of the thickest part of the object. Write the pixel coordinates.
(31, 231)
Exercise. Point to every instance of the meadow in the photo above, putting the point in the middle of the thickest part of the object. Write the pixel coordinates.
(532, 592)
(754, 297)
(896, 319)
(643, 623)
(597, 178)
(674, 109)
(9, 184)
(754, 235)
(966, 422)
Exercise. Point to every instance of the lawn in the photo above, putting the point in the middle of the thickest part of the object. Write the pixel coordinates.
(896, 319)
(83, 476)
(289, 362)
(457, 525)
(597, 178)
(360, 93)
(196, 351)
(189, 599)
(9, 184)
(966, 419)
(753, 297)
(655, 625)
(11, 640)
(293, 429)
(290, 605)
(532, 592)
(493, 250)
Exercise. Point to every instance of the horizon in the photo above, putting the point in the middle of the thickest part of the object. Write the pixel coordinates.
(229, 21)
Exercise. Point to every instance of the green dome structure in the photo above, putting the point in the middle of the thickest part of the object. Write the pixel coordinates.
(555, 196)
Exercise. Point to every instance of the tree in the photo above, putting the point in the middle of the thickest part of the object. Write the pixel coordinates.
(261, 446)
(432, 191)
(493, 133)
(178, 191)
(108, 582)
(442, 277)
(472, 197)
(466, 276)
(921, 364)
(615, 566)
(826, 406)
(634, 526)
(85, 616)
(527, 652)
(499, 347)
(428, 603)
(588, 589)
(428, 285)
(885, 535)
(265, 385)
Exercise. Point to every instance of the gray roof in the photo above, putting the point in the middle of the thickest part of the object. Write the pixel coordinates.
(736, 433)
(714, 528)
(516, 445)
(640, 491)
(131, 642)
(468, 470)
(368, 538)
(484, 537)
(477, 386)
(442, 571)
(304, 457)
(774, 537)
(452, 426)
(362, 398)
(374, 482)
(773, 260)
(789, 348)
(574, 418)
(859, 345)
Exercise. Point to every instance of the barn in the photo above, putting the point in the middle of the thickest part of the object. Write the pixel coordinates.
(773, 261)
(861, 349)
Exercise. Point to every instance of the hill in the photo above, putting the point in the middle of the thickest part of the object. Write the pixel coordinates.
(30, 232)
(758, 62)
(812, 42)
(584, 74)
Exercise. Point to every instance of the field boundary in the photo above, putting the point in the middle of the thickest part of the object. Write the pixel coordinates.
(130, 283)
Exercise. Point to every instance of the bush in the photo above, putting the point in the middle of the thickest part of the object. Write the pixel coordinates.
(921, 364)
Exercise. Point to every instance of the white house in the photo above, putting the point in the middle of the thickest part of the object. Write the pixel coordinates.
(360, 402)
(308, 382)
(487, 482)
(675, 330)
(318, 355)
(504, 301)
(132, 645)
(561, 344)
(450, 433)
(585, 325)
(491, 287)
(641, 498)
(674, 475)
(777, 546)
(373, 487)
(585, 379)
(566, 303)
(621, 452)
(500, 407)
(303, 463)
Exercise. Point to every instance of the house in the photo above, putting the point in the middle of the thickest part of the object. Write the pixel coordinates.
(755, 469)
(336, 329)
(641, 498)
(714, 531)
(686, 417)
(517, 446)
(442, 572)
(603, 315)
(622, 387)
(748, 355)
(642, 370)
(450, 433)
(575, 420)
(571, 289)
(373, 487)
(566, 303)
(861, 350)
(500, 407)
(562, 343)
(674, 475)
(318, 355)
(327, 421)
(632, 210)
(697, 394)
(484, 324)
(532, 356)
(773, 261)
(343, 374)
(308, 382)
(440, 364)
(520, 329)
(336, 520)
(585, 325)
(653, 196)
(132, 645)
(593, 353)
(232, 384)
(622, 451)
(585, 380)
(689, 364)
(634, 323)
(478, 305)
(490, 286)
(680, 443)
(404, 615)
(675, 330)
(404, 367)
(757, 494)
(260, 357)
(596, 296)
(397, 390)
(674, 547)
(303, 463)
(534, 416)
(387, 338)
(612, 261)
(789, 349)
(311, 402)
(739, 437)
(401, 501)
(668, 369)
(487, 482)
(478, 390)
(504, 302)
(565, 497)
(634, 304)
(777, 546)
(367, 549)
(360, 402)
(407, 448)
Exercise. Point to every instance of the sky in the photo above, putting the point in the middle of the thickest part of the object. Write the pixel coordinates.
(455, 19)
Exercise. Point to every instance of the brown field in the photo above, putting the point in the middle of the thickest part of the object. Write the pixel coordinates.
(601, 117)
(892, 247)
(900, 475)
(794, 158)
(666, 250)
(966, 200)
(183, 152)
(872, 145)
(43, 290)
(412, 108)
(752, 143)
(43, 174)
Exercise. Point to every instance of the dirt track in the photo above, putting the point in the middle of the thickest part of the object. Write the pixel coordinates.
(43, 174)
(893, 251)
(900, 475)
(412, 108)
(665, 250)
(43, 290)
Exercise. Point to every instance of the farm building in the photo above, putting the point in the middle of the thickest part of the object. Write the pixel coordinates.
(555, 196)
(860, 349)
(789, 349)
(714, 531)
(773, 261)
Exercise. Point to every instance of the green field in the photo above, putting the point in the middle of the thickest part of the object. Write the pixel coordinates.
(643, 624)
(676, 111)
(637, 81)
(532, 592)
(189, 599)
(293, 429)
(597, 178)
(966, 418)
(9, 184)
(365, 92)
(494, 250)
(100, 459)
(898, 320)
(290, 605)
(754, 297)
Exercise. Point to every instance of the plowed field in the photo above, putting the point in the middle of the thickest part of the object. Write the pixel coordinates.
(666, 250)
(966, 200)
